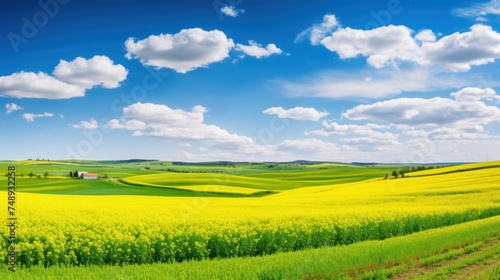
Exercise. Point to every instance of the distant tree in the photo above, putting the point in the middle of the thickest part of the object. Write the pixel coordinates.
(75, 174)
(45, 174)
(386, 175)
(38, 176)
(31, 174)
(395, 174)
(402, 173)
(22, 175)
(105, 176)
(70, 174)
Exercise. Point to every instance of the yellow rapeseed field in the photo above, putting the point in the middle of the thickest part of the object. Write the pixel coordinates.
(67, 229)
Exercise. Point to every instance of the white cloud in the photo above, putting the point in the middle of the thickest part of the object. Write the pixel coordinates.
(126, 124)
(382, 46)
(391, 45)
(312, 147)
(308, 144)
(318, 31)
(297, 113)
(316, 149)
(33, 85)
(88, 125)
(365, 85)
(452, 133)
(459, 51)
(426, 35)
(30, 117)
(231, 11)
(376, 141)
(474, 94)
(88, 73)
(72, 79)
(157, 120)
(183, 52)
(256, 50)
(479, 10)
(436, 111)
(372, 140)
(11, 107)
(333, 128)
(466, 132)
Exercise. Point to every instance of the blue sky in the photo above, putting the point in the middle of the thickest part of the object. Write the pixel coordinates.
(385, 81)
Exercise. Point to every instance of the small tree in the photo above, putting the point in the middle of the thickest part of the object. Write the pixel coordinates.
(31, 174)
(386, 175)
(402, 173)
(45, 174)
(395, 174)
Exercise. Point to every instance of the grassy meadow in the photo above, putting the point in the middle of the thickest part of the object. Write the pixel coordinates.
(152, 219)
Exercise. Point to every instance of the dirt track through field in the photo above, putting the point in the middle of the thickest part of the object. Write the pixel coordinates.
(465, 273)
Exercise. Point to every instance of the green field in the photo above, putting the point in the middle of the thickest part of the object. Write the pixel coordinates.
(165, 179)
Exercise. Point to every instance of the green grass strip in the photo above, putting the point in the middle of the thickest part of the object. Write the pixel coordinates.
(455, 267)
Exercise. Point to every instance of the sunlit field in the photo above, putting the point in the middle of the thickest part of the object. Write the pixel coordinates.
(303, 208)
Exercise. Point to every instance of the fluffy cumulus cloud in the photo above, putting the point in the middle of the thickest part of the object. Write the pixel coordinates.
(317, 32)
(70, 79)
(426, 35)
(297, 113)
(11, 107)
(37, 85)
(88, 125)
(391, 45)
(158, 120)
(30, 117)
(256, 50)
(460, 51)
(383, 45)
(474, 94)
(463, 111)
(182, 52)
(231, 11)
(88, 73)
